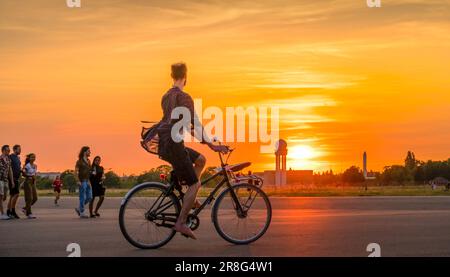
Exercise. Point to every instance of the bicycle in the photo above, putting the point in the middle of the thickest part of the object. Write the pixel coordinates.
(149, 211)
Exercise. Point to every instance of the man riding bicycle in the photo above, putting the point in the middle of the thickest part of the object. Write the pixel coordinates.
(187, 163)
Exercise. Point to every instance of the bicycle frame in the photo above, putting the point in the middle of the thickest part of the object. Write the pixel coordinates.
(225, 181)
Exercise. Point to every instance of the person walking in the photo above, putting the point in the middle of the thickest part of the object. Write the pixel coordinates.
(14, 192)
(57, 185)
(82, 174)
(98, 190)
(5, 177)
(29, 187)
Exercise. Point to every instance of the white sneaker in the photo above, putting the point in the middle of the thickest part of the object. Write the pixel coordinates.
(83, 215)
(4, 217)
(31, 216)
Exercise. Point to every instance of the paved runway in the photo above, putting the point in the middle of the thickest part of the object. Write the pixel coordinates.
(402, 226)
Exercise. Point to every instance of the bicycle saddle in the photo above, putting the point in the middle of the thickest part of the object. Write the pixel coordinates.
(239, 167)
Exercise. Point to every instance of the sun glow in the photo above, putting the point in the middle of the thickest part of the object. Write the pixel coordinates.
(302, 157)
(302, 152)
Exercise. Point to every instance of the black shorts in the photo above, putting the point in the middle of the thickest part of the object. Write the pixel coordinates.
(182, 160)
(15, 190)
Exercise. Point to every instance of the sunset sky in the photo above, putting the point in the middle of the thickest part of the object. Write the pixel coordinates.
(347, 78)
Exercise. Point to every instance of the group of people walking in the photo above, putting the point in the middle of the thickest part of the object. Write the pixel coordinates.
(90, 182)
(11, 173)
(14, 175)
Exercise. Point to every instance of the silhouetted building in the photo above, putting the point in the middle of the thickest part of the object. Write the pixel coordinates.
(280, 176)
(280, 162)
(49, 175)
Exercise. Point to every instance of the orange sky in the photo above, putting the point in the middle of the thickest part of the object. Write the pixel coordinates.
(347, 78)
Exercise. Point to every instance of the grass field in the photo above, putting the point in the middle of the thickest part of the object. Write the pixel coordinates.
(413, 190)
(313, 191)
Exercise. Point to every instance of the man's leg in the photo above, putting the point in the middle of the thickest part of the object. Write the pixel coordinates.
(189, 199)
(1, 203)
(12, 204)
(14, 201)
(9, 205)
(188, 202)
(199, 165)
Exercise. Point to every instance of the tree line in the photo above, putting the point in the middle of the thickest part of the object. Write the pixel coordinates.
(113, 180)
(413, 171)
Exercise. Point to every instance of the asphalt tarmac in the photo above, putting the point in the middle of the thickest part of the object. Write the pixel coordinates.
(328, 226)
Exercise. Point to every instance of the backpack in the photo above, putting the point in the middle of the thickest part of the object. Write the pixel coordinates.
(150, 139)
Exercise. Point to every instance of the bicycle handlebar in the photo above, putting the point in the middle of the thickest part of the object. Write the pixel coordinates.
(230, 150)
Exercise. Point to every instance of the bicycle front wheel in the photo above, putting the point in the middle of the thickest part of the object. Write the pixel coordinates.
(246, 225)
(147, 215)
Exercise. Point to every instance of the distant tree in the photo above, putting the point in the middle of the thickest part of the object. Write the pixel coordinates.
(43, 183)
(326, 178)
(396, 174)
(69, 181)
(419, 173)
(154, 174)
(149, 176)
(353, 175)
(410, 161)
(128, 181)
(112, 180)
(431, 169)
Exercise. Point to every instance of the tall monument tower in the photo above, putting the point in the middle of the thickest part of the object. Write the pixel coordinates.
(365, 165)
(367, 176)
(280, 162)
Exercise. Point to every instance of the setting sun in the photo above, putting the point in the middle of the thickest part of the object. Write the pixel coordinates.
(303, 157)
(302, 152)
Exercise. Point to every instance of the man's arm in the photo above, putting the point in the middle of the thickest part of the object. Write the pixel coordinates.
(198, 131)
(24, 171)
(11, 177)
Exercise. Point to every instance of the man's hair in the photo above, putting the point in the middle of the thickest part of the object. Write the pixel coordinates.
(15, 147)
(4, 147)
(179, 71)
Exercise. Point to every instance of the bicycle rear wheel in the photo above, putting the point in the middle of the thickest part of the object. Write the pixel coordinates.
(246, 227)
(147, 215)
